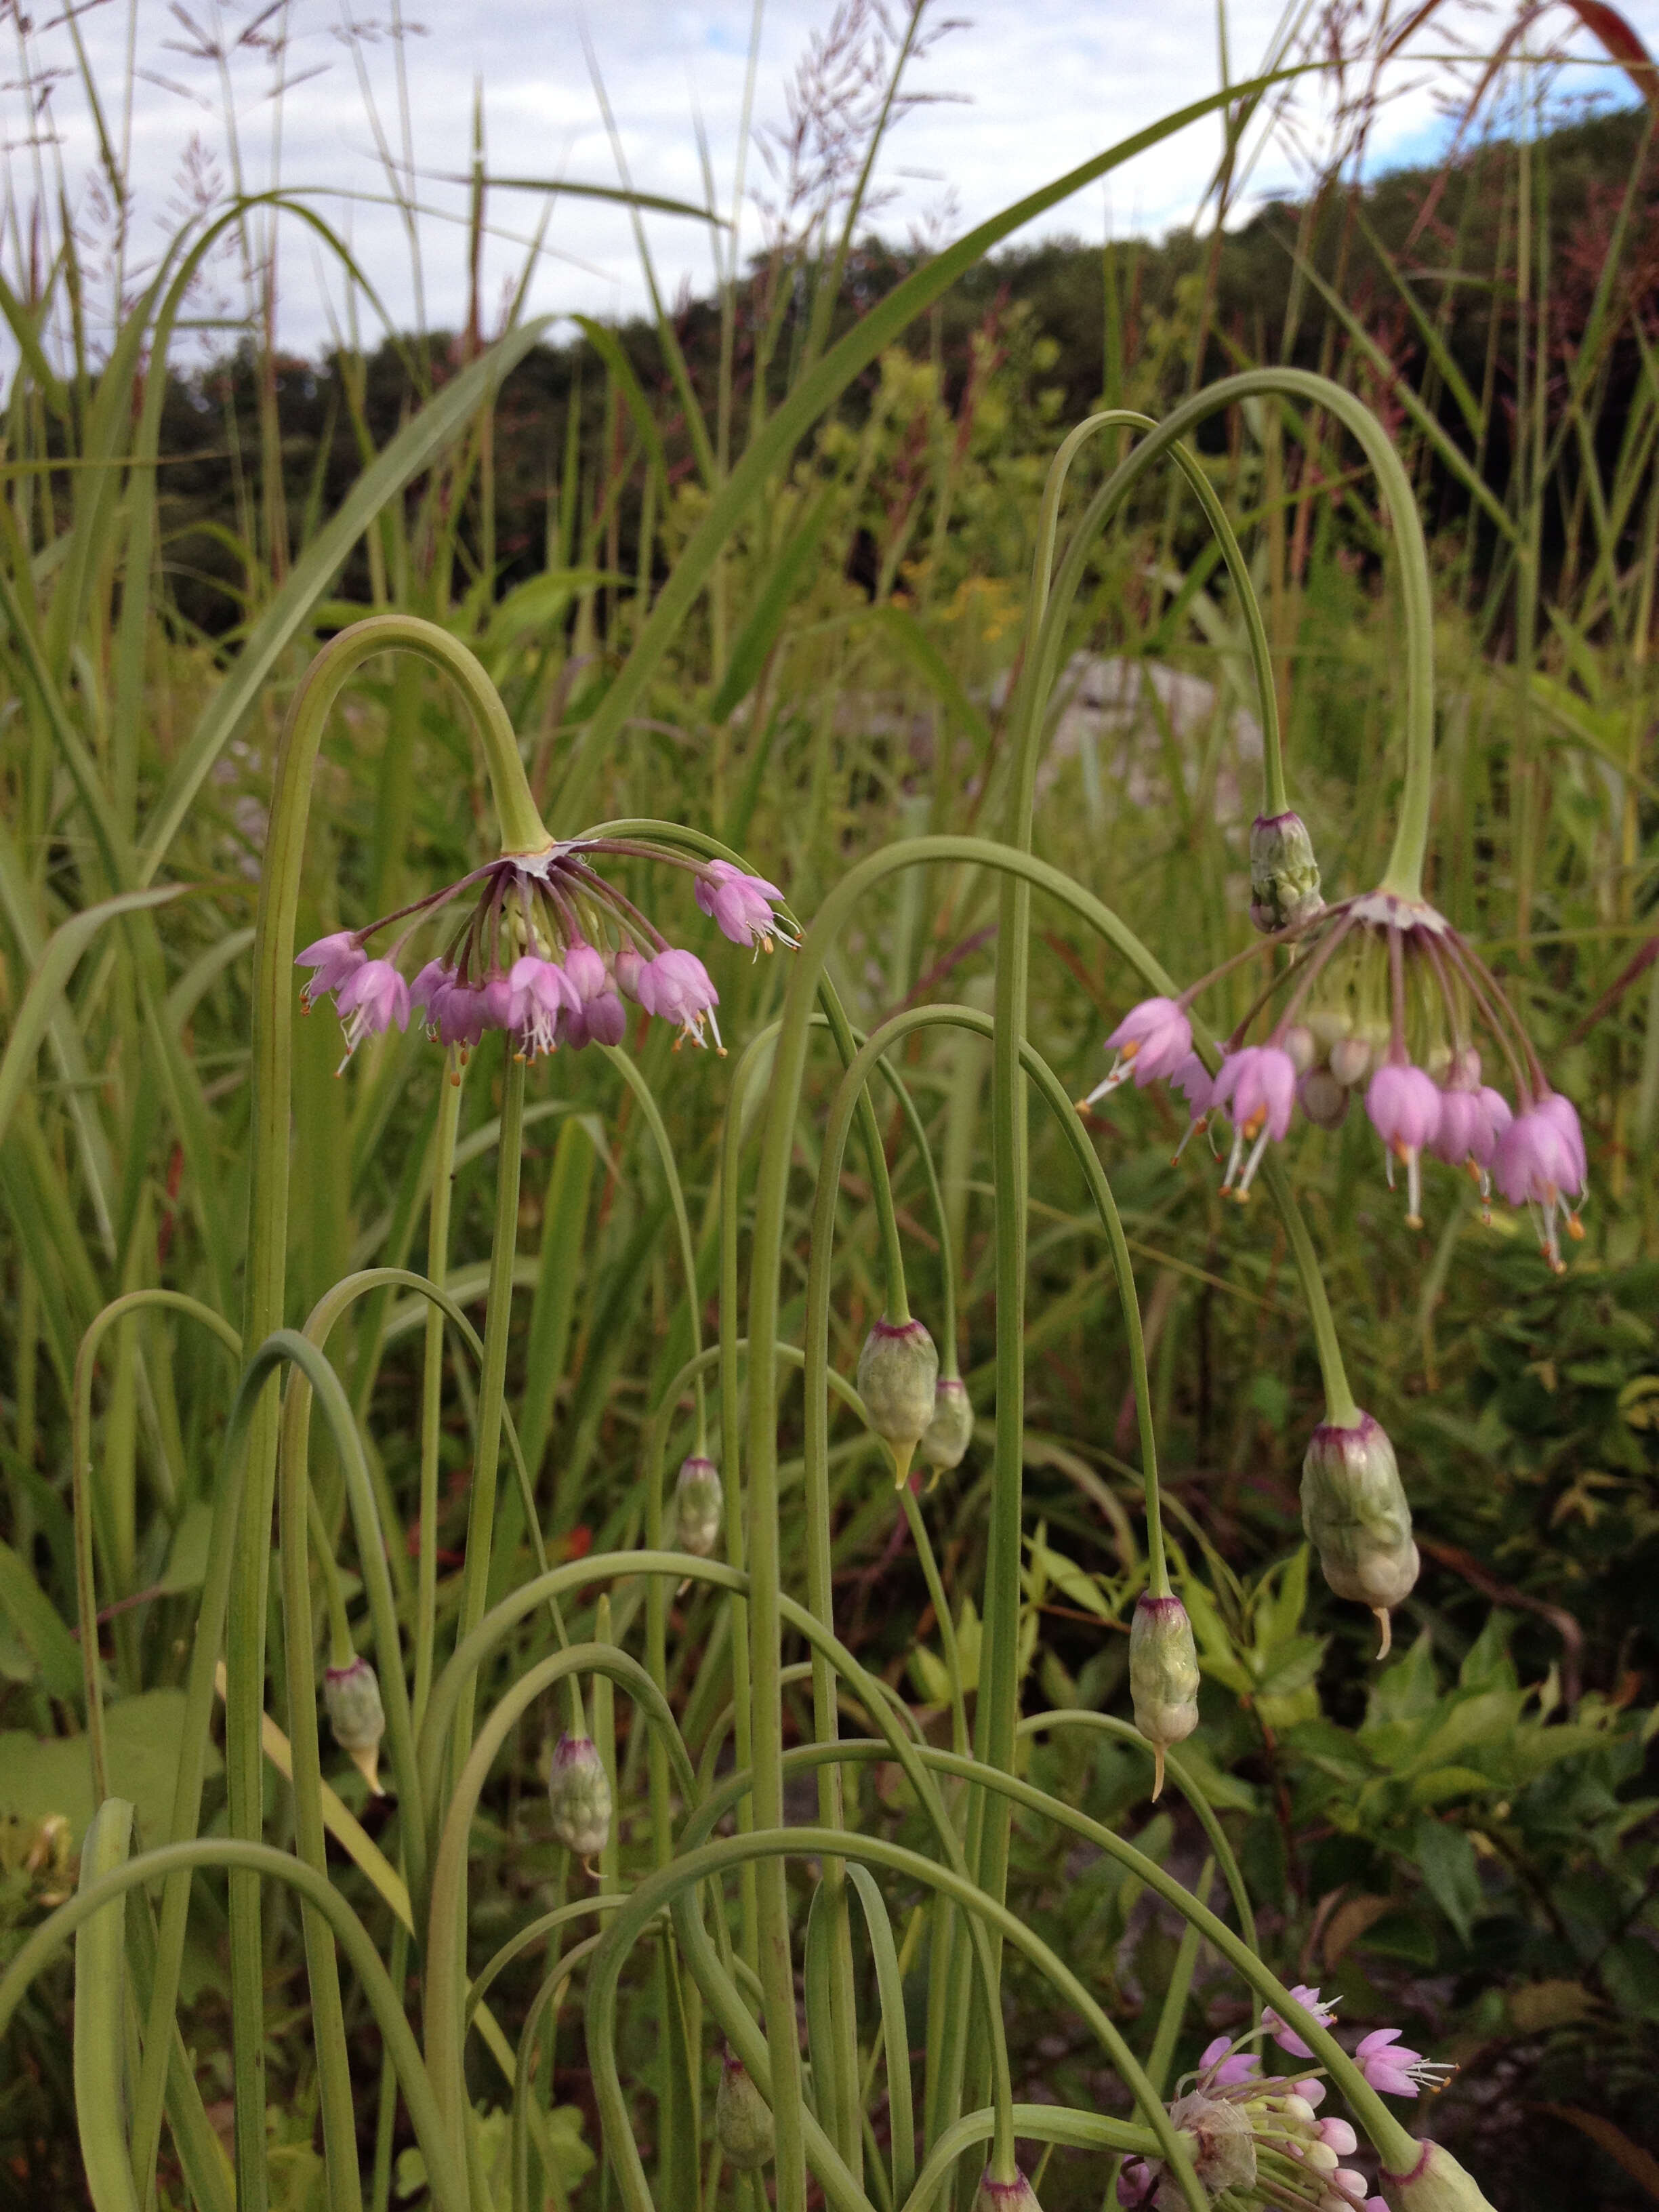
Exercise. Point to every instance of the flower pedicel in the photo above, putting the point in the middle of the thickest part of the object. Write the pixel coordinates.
(548, 951)
(1383, 1000)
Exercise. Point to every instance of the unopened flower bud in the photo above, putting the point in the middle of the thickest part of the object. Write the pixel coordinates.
(697, 1497)
(356, 1716)
(1302, 1046)
(742, 2118)
(1356, 1516)
(1435, 2184)
(1283, 873)
(1163, 1676)
(1015, 2196)
(952, 1429)
(898, 1368)
(1324, 1100)
(1221, 2140)
(1350, 1060)
(578, 1792)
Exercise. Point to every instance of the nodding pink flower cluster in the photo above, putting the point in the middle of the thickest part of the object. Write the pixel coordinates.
(549, 952)
(1382, 999)
(1257, 2139)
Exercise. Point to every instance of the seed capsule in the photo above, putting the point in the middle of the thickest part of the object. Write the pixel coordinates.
(1163, 1676)
(951, 1431)
(579, 1793)
(742, 2118)
(697, 1500)
(898, 1370)
(1283, 873)
(1221, 2140)
(1356, 1516)
(356, 1716)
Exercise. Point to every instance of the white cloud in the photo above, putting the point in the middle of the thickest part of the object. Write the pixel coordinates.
(1048, 82)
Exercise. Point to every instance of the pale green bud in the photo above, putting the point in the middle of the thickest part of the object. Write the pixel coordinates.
(1356, 1516)
(898, 1368)
(742, 2118)
(356, 1716)
(578, 1792)
(1219, 2139)
(951, 1431)
(1283, 873)
(1163, 1676)
(1015, 2196)
(697, 1499)
(1435, 2184)
(1324, 1100)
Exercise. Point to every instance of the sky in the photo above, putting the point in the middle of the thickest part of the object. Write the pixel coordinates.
(1022, 91)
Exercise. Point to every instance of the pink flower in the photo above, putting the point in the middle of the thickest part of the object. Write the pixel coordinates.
(1194, 1083)
(675, 987)
(741, 904)
(1351, 2181)
(457, 1015)
(594, 1010)
(1404, 1107)
(1540, 1163)
(1338, 2135)
(1393, 2070)
(336, 959)
(1286, 2038)
(625, 966)
(1135, 2184)
(539, 993)
(1220, 2070)
(429, 986)
(374, 996)
(1257, 1088)
(1152, 1040)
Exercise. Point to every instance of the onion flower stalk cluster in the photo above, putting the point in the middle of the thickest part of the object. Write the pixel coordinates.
(548, 951)
(1256, 2138)
(1383, 1000)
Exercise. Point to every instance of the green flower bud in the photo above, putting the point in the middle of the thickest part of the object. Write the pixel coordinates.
(1283, 873)
(952, 1429)
(1355, 1515)
(1435, 2184)
(697, 1497)
(742, 2118)
(356, 1716)
(1015, 2196)
(898, 1368)
(1221, 2140)
(578, 1792)
(1163, 1676)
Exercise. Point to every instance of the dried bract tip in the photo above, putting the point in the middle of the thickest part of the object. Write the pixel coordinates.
(697, 1501)
(1283, 873)
(742, 2118)
(579, 1794)
(356, 1717)
(951, 1431)
(1163, 1676)
(898, 1372)
(1355, 1515)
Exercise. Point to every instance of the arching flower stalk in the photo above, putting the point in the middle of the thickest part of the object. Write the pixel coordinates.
(1383, 1000)
(1259, 2138)
(548, 951)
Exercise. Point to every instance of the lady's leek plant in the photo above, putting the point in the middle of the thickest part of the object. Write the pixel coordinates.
(728, 1953)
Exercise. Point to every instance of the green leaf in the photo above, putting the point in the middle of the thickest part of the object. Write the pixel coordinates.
(33, 1619)
(187, 1554)
(1446, 1858)
(48, 984)
(1445, 1782)
(755, 640)
(40, 1776)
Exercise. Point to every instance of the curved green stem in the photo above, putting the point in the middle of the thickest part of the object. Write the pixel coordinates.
(178, 1862)
(269, 1149)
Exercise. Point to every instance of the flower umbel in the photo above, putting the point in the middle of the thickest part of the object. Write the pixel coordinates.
(548, 951)
(1382, 997)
